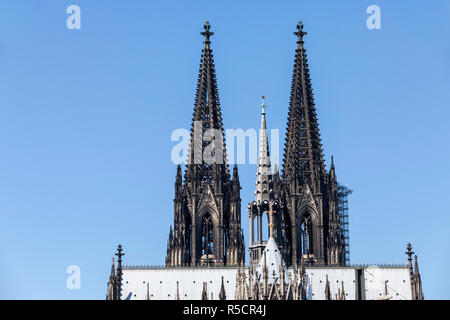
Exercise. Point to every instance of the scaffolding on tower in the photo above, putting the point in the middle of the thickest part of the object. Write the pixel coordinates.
(343, 192)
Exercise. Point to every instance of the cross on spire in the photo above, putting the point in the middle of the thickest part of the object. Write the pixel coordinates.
(207, 33)
(300, 33)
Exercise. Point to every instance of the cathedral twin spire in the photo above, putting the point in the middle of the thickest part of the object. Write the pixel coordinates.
(207, 124)
(207, 227)
(264, 184)
(114, 291)
(301, 205)
(303, 157)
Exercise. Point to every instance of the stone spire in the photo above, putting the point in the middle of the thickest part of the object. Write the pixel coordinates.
(111, 282)
(265, 275)
(303, 184)
(302, 271)
(178, 182)
(264, 184)
(296, 286)
(414, 275)
(251, 281)
(256, 288)
(303, 156)
(409, 253)
(282, 275)
(222, 294)
(342, 297)
(147, 295)
(327, 289)
(244, 292)
(205, 291)
(416, 266)
(239, 276)
(207, 189)
(276, 171)
(207, 115)
(118, 281)
(417, 280)
(265, 202)
(170, 246)
(177, 295)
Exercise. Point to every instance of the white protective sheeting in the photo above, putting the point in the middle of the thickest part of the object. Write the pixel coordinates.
(398, 283)
(163, 282)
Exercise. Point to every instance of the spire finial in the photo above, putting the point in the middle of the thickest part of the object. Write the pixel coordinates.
(300, 33)
(263, 106)
(119, 254)
(113, 272)
(222, 294)
(275, 166)
(177, 295)
(265, 274)
(119, 274)
(265, 262)
(235, 172)
(207, 34)
(327, 289)
(205, 291)
(332, 169)
(416, 265)
(409, 251)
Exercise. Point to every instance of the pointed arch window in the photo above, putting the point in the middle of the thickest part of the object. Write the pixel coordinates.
(207, 236)
(306, 234)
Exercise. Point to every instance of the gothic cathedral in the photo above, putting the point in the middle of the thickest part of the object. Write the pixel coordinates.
(305, 255)
(301, 204)
(207, 205)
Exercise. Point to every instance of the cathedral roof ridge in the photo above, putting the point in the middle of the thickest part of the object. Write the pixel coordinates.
(377, 265)
(158, 266)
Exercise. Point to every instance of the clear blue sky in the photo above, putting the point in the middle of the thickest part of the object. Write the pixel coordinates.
(86, 117)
